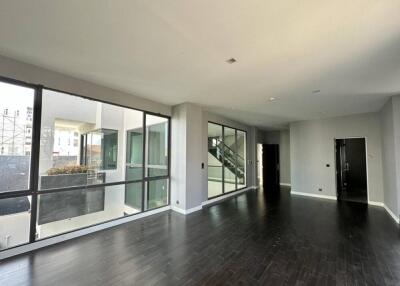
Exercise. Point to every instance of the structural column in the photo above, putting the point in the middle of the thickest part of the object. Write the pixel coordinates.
(187, 167)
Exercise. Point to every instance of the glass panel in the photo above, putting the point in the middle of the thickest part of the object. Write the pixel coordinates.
(101, 149)
(65, 211)
(110, 149)
(241, 159)
(156, 146)
(15, 216)
(134, 155)
(64, 205)
(83, 141)
(229, 160)
(93, 150)
(215, 159)
(16, 116)
(157, 192)
(133, 195)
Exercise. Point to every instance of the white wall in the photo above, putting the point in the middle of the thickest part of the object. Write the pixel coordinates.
(388, 160)
(312, 147)
(178, 156)
(284, 157)
(32, 74)
(186, 172)
(194, 172)
(187, 144)
(396, 120)
(390, 126)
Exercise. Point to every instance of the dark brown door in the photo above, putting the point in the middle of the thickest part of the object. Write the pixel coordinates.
(271, 168)
(351, 169)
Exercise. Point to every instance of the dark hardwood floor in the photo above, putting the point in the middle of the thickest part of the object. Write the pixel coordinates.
(248, 240)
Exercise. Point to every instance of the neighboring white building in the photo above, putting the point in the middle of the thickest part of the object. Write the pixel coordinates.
(66, 141)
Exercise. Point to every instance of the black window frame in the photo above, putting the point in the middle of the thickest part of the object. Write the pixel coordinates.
(223, 155)
(33, 189)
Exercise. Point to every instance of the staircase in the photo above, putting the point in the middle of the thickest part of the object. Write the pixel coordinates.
(230, 159)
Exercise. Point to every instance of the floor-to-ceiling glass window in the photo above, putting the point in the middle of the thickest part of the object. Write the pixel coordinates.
(215, 160)
(230, 156)
(16, 119)
(94, 162)
(134, 160)
(226, 159)
(241, 159)
(157, 154)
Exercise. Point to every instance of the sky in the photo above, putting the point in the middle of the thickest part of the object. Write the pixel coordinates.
(15, 97)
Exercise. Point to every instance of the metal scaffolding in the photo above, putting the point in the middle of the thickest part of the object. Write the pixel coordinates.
(15, 136)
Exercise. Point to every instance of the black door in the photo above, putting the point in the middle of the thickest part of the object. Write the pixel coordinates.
(271, 168)
(351, 169)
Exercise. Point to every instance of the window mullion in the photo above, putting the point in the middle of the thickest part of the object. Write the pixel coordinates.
(34, 173)
(144, 163)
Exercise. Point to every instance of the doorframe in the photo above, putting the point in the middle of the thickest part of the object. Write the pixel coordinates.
(366, 161)
(259, 164)
(278, 166)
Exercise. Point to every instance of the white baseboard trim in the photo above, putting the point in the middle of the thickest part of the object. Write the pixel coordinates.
(63, 237)
(396, 218)
(285, 184)
(186, 212)
(387, 209)
(378, 204)
(314, 195)
(233, 194)
(372, 203)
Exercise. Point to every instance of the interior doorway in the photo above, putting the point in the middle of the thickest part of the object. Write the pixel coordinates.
(270, 170)
(351, 169)
(259, 165)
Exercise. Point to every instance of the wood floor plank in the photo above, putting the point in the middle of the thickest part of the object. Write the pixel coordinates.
(252, 239)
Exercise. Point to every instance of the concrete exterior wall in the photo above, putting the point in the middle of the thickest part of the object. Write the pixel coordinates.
(312, 147)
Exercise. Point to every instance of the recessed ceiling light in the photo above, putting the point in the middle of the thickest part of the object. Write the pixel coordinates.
(272, 98)
(231, 61)
(316, 91)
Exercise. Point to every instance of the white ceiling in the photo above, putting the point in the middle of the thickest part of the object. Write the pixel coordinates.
(175, 51)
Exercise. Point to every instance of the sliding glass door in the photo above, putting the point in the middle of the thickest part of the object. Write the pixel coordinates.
(226, 159)
(68, 162)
